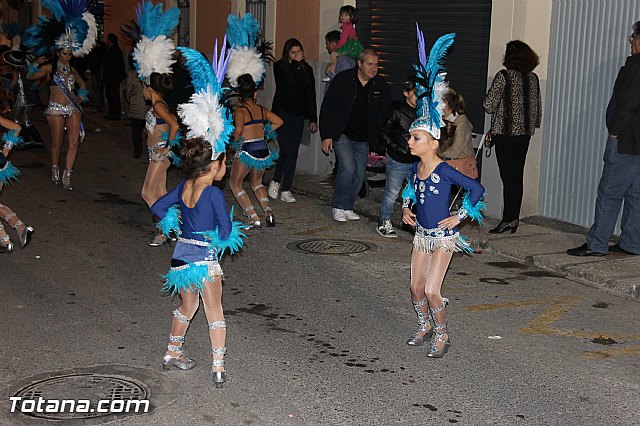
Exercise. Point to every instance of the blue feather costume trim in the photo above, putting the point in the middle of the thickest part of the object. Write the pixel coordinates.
(269, 133)
(259, 164)
(9, 173)
(190, 277)
(474, 212)
(409, 193)
(83, 94)
(233, 243)
(11, 139)
(175, 159)
(170, 223)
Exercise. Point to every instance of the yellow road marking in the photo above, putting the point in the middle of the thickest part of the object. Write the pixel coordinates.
(608, 353)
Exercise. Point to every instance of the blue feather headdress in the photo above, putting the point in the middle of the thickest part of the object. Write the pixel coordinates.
(72, 27)
(430, 84)
(153, 53)
(249, 51)
(206, 115)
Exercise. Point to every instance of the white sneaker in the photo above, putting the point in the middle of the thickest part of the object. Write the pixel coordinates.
(351, 215)
(386, 229)
(274, 188)
(338, 215)
(287, 197)
(326, 79)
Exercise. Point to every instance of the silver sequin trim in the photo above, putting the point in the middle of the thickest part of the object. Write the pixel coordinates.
(194, 242)
(181, 318)
(218, 351)
(428, 240)
(176, 339)
(55, 108)
(217, 324)
(174, 348)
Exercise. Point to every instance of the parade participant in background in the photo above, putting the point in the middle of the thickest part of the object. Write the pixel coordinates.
(295, 102)
(8, 173)
(255, 124)
(205, 229)
(429, 189)
(153, 55)
(70, 32)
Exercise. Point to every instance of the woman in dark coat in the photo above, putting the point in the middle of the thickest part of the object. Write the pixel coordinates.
(294, 102)
(516, 110)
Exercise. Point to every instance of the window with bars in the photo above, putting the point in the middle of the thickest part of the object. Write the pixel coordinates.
(185, 21)
(258, 8)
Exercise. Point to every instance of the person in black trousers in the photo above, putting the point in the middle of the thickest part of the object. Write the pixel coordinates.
(295, 102)
(113, 69)
(515, 106)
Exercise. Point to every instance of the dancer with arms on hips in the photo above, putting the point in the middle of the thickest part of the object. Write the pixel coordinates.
(72, 32)
(429, 188)
(8, 173)
(205, 227)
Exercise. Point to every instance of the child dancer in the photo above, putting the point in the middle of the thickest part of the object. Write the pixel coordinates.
(348, 44)
(8, 173)
(429, 189)
(205, 229)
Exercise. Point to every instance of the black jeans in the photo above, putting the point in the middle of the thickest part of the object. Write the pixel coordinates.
(137, 127)
(511, 152)
(289, 136)
(112, 91)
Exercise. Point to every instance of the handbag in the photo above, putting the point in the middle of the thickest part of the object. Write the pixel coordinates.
(487, 142)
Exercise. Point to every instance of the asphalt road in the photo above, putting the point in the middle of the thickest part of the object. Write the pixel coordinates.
(312, 339)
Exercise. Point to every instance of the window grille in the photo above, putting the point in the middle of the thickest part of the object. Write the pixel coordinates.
(258, 8)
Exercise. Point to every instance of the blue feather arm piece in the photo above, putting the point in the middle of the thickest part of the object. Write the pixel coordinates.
(409, 193)
(175, 160)
(153, 22)
(8, 173)
(269, 133)
(170, 223)
(233, 243)
(11, 139)
(32, 68)
(83, 94)
(474, 212)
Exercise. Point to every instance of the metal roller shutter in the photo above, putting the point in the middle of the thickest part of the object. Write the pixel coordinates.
(388, 27)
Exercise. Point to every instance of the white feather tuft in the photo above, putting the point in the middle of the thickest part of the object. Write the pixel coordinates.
(245, 60)
(92, 35)
(154, 55)
(203, 116)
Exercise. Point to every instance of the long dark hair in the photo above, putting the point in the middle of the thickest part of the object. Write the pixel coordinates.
(288, 45)
(246, 87)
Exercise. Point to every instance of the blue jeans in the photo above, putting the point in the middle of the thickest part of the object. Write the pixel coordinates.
(620, 182)
(396, 174)
(352, 162)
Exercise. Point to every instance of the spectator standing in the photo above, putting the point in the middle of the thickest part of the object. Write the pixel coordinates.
(182, 85)
(294, 102)
(351, 112)
(113, 74)
(96, 57)
(136, 107)
(515, 106)
(394, 135)
(458, 151)
(620, 179)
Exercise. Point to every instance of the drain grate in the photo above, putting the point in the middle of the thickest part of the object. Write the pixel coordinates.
(332, 246)
(89, 388)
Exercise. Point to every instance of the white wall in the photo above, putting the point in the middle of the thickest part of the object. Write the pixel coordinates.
(529, 21)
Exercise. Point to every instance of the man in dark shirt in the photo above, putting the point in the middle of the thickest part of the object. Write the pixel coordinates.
(114, 73)
(351, 111)
(620, 179)
(96, 57)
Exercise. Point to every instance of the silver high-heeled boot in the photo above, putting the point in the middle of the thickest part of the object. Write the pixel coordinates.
(422, 334)
(25, 234)
(6, 246)
(55, 175)
(218, 377)
(440, 330)
(66, 180)
(180, 361)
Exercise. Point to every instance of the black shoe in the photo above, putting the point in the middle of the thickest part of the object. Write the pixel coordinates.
(504, 227)
(363, 190)
(584, 250)
(617, 249)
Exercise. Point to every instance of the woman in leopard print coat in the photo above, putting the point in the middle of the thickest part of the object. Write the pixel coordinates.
(516, 110)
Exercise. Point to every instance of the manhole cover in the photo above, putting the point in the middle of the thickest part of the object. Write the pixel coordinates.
(81, 396)
(332, 246)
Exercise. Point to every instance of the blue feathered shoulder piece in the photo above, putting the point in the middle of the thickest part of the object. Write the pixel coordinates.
(170, 223)
(11, 139)
(206, 115)
(8, 172)
(430, 83)
(473, 211)
(232, 244)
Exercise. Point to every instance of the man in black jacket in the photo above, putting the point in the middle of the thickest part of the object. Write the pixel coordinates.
(620, 179)
(351, 112)
(113, 69)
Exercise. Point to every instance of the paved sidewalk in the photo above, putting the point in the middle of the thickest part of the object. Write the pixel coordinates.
(538, 240)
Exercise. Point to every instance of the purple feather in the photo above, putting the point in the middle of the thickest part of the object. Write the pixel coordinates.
(422, 52)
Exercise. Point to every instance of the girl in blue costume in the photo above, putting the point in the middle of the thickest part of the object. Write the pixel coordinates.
(253, 155)
(8, 173)
(429, 188)
(205, 232)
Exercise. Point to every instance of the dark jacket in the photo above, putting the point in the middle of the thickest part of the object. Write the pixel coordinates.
(339, 99)
(113, 65)
(295, 90)
(625, 122)
(394, 132)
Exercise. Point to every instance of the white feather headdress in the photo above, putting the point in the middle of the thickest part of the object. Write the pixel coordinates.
(247, 57)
